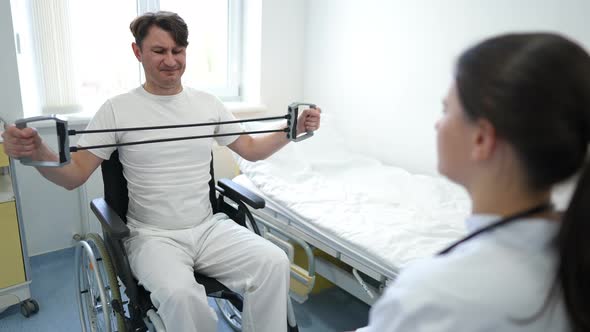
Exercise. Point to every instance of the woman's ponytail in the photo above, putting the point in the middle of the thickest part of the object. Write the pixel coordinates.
(573, 244)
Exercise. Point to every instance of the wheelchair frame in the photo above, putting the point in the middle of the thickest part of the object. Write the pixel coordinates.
(102, 262)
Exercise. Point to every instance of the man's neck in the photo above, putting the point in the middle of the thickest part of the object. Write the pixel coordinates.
(162, 91)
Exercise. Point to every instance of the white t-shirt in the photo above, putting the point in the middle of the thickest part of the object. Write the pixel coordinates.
(167, 181)
(487, 283)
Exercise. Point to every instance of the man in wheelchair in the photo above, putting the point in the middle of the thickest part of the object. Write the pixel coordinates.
(173, 232)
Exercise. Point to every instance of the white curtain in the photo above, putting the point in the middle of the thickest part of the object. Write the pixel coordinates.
(51, 29)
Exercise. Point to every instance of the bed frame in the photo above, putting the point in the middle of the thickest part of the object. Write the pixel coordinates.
(359, 274)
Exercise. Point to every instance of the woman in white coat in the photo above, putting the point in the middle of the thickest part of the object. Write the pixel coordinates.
(516, 121)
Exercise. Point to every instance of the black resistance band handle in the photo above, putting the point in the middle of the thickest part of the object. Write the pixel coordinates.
(292, 116)
(61, 127)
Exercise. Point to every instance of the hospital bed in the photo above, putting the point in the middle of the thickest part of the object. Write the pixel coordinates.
(358, 221)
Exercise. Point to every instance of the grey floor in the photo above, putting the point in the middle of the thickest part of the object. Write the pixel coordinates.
(53, 288)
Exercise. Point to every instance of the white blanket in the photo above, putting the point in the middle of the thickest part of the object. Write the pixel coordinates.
(393, 215)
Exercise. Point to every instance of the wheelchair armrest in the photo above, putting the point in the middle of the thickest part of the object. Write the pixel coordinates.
(237, 192)
(109, 219)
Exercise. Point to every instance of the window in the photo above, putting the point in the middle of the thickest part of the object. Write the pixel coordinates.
(73, 55)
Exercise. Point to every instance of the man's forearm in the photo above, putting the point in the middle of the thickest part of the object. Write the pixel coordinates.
(265, 145)
(62, 176)
(259, 147)
(69, 176)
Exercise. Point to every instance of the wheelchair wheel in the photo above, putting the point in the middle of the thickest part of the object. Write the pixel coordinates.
(232, 315)
(95, 277)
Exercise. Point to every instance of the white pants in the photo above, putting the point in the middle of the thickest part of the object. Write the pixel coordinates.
(164, 260)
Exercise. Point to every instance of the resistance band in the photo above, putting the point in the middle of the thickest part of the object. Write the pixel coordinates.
(63, 133)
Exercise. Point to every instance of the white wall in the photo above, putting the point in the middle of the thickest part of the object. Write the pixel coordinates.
(282, 47)
(10, 101)
(380, 68)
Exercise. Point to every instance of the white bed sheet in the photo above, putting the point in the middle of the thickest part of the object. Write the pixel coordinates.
(393, 215)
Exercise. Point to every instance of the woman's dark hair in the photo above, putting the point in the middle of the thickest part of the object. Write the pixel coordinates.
(168, 21)
(535, 90)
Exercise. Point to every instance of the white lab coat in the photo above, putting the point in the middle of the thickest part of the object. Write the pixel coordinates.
(493, 282)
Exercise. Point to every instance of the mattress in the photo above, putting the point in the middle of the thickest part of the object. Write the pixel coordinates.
(388, 213)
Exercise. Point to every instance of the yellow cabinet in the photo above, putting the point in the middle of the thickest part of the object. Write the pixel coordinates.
(11, 257)
(3, 157)
(14, 265)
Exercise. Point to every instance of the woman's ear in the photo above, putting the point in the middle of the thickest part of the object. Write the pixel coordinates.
(484, 140)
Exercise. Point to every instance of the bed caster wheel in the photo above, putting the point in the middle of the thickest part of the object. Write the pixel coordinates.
(293, 328)
(29, 307)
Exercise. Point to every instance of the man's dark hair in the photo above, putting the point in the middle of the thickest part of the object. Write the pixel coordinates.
(167, 21)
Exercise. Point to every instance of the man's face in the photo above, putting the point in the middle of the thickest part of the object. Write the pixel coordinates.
(163, 61)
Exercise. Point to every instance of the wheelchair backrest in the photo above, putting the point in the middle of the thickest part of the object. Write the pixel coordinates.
(115, 185)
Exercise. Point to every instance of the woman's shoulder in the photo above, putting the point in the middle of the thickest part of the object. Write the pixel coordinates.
(483, 274)
(469, 291)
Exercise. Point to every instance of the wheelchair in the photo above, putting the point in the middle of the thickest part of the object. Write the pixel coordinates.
(103, 267)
